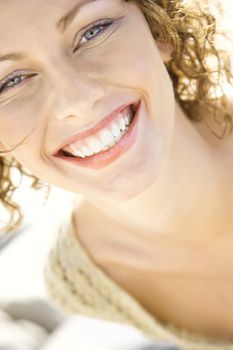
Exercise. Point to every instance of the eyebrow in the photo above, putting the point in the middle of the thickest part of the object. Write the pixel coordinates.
(66, 20)
(14, 56)
(62, 24)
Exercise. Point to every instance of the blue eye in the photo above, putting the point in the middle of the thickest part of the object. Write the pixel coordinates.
(12, 81)
(93, 31)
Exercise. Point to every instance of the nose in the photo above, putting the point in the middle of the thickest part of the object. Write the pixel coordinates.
(75, 95)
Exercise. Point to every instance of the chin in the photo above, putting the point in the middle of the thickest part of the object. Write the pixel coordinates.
(133, 194)
(128, 190)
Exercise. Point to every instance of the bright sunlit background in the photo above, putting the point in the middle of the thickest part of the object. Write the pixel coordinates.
(21, 261)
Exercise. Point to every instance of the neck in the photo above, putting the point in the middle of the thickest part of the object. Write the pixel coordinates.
(187, 197)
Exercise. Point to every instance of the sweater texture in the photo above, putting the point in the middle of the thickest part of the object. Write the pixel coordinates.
(77, 285)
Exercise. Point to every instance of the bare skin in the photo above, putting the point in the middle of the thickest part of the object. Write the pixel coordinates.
(185, 275)
(161, 213)
(187, 283)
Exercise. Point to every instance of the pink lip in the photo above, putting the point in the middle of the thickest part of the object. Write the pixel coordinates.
(104, 158)
(101, 125)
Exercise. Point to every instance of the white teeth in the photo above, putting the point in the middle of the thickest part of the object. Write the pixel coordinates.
(106, 137)
(112, 143)
(122, 124)
(127, 116)
(87, 151)
(118, 137)
(95, 145)
(115, 130)
(79, 153)
(126, 120)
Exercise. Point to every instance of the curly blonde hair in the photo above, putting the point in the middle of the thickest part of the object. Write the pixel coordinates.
(198, 69)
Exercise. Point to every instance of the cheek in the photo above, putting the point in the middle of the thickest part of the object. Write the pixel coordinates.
(19, 118)
(133, 63)
(131, 59)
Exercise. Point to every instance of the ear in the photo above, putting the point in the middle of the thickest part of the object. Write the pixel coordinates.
(166, 50)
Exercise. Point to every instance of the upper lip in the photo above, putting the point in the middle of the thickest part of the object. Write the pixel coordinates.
(102, 124)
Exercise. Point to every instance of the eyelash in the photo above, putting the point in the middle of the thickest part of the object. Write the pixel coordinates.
(4, 83)
(103, 23)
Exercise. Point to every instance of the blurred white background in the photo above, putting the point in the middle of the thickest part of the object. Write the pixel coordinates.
(21, 261)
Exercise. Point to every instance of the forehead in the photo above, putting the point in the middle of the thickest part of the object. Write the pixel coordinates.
(21, 19)
(31, 11)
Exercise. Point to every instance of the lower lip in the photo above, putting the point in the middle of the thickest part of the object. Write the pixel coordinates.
(102, 159)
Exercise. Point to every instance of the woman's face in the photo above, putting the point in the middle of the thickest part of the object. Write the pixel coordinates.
(58, 78)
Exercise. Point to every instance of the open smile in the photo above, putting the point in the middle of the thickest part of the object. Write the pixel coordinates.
(107, 144)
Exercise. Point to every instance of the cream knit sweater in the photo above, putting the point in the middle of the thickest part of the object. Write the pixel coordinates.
(77, 285)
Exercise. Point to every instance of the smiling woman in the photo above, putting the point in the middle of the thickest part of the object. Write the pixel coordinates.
(124, 103)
